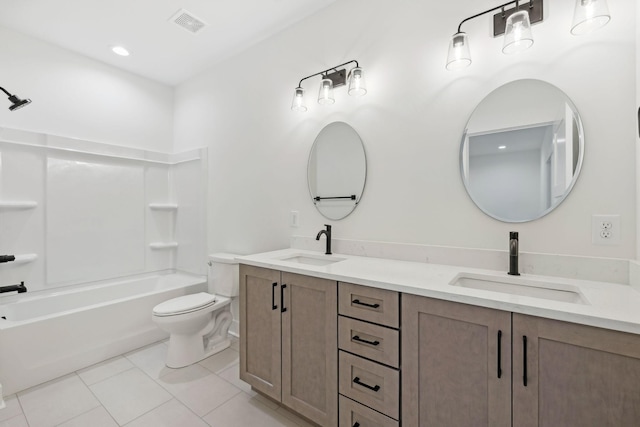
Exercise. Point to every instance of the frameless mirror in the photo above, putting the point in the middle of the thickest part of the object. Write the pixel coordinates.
(522, 151)
(337, 170)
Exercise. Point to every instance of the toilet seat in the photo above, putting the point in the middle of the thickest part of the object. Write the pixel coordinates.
(185, 304)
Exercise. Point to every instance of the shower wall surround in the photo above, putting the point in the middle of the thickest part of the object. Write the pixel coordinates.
(76, 211)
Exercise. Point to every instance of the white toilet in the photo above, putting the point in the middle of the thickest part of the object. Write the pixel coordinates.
(198, 323)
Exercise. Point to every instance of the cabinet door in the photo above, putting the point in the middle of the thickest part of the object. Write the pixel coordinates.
(576, 375)
(456, 367)
(260, 332)
(310, 348)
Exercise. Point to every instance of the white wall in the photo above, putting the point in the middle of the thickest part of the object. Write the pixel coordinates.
(411, 123)
(78, 97)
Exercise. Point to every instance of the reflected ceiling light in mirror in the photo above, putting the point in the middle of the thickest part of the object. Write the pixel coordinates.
(589, 16)
(332, 78)
(517, 36)
(119, 50)
(502, 147)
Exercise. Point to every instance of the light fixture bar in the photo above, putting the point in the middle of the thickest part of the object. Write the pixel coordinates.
(534, 7)
(502, 6)
(332, 75)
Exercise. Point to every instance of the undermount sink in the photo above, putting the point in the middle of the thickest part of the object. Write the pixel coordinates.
(521, 286)
(313, 259)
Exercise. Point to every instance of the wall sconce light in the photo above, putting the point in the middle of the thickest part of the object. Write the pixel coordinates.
(16, 102)
(332, 78)
(589, 16)
(515, 24)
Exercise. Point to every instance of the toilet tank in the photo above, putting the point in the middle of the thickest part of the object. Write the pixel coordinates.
(223, 274)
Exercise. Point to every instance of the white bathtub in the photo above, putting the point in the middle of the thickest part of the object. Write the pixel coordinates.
(49, 334)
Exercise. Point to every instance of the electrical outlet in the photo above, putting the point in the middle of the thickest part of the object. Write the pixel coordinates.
(294, 219)
(605, 229)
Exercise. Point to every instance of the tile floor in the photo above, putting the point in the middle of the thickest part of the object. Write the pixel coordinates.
(138, 390)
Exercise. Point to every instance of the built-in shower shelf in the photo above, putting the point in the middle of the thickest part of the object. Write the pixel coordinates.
(163, 206)
(14, 205)
(23, 259)
(163, 245)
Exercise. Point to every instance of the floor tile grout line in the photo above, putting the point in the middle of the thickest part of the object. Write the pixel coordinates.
(223, 403)
(97, 398)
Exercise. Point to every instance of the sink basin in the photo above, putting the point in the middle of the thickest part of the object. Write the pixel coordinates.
(520, 286)
(313, 259)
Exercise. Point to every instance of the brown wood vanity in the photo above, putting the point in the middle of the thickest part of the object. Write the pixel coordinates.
(347, 355)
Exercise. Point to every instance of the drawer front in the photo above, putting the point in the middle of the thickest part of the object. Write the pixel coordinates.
(368, 340)
(352, 413)
(370, 383)
(370, 304)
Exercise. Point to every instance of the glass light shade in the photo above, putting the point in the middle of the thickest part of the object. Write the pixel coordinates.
(459, 55)
(589, 16)
(298, 101)
(357, 85)
(325, 97)
(517, 36)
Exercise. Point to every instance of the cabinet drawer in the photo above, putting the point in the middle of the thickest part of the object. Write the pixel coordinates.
(370, 383)
(368, 340)
(352, 413)
(370, 304)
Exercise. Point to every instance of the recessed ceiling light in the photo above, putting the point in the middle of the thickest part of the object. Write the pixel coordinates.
(502, 147)
(119, 50)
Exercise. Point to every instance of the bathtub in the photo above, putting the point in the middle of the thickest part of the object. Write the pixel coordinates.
(50, 334)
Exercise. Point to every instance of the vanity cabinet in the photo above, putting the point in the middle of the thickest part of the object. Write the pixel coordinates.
(576, 375)
(458, 364)
(288, 340)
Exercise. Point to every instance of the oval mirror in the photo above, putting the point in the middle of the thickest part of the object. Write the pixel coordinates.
(337, 170)
(522, 151)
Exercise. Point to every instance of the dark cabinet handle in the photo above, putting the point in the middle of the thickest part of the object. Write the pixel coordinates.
(499, 354)
(357, 301)
(524, 360)
(357, 381)
(273, 296)
(357, 338)
(283, 309)
(357, 424)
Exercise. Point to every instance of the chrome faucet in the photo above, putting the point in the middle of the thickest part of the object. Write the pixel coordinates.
(513, 253)
(327, 234)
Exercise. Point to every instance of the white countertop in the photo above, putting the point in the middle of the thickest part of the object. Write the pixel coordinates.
(609, 305)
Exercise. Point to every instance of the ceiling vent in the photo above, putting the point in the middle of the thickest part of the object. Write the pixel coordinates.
(185, 19)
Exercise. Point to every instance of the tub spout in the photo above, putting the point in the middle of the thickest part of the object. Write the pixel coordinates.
(7, 258)
(21, 288)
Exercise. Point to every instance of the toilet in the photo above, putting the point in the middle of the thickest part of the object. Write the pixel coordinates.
(198, 323)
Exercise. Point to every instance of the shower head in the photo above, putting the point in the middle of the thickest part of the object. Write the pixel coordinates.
(16, 102)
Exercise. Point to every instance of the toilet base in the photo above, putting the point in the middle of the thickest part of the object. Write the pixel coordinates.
(187, 349)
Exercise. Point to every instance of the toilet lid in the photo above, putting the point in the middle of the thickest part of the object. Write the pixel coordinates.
(184, 304)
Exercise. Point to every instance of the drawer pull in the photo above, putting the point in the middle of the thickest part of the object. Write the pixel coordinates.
(357, 338)
(357, 424)
(357, 381)
(357, 301)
